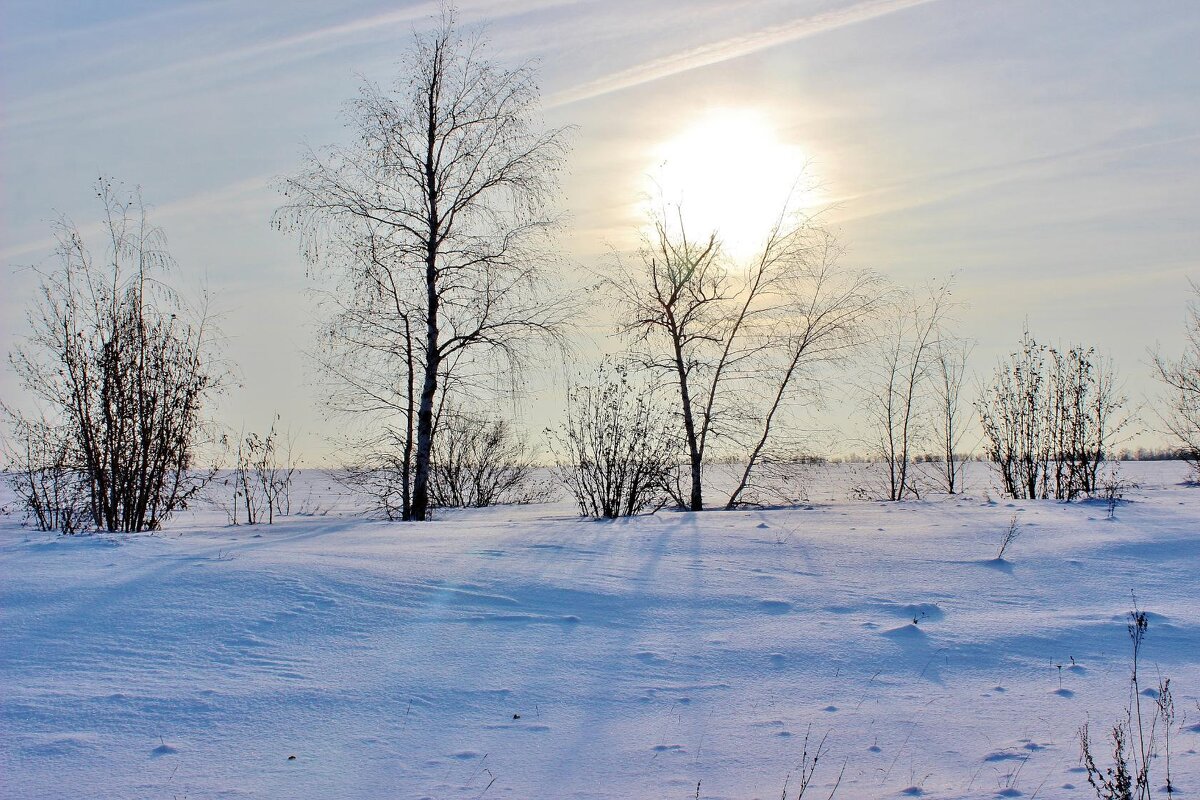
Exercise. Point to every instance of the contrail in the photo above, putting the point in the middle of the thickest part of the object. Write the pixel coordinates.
(734, 47)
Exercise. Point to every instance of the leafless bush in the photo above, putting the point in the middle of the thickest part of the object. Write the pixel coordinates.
(40, 472)
(617, 451)
(312, 507)
(264, 470)
(480, 462)
(123, 368)
(1010, 535)
(807, 769)
(379, 470)
(1112, 489)
(804, 772)
(1137, 738)
(1050, 417)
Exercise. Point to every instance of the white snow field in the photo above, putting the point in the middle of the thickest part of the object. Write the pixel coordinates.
(525, 653)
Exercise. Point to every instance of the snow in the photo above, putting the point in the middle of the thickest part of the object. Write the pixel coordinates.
(525, 653)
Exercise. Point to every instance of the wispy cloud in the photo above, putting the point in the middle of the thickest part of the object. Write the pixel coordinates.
(940, 187)
(148, 84)
(734, 47)
(247, 190)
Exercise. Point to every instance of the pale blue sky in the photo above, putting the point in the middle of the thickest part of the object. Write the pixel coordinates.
(1048, 152)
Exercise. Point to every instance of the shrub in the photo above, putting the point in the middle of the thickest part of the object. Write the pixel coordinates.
(616, 452)
(478, 462)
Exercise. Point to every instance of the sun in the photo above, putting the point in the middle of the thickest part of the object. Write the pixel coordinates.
(728, 172)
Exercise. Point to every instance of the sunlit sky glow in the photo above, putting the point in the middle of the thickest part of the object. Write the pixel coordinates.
(1045, 151)
(728, 172)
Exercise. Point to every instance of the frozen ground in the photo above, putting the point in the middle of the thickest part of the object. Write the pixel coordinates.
(524, 653)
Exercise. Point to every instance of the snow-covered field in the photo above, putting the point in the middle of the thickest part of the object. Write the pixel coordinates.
(524, 653)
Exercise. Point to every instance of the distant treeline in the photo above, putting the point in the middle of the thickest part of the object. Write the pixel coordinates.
(1125, 454)
(1153, 454)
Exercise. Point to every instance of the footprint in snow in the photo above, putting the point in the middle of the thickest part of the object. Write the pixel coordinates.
(1064, 693)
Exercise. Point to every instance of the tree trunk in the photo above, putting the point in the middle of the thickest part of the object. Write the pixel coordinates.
(409, 418)
(420, 495)
(695, 457)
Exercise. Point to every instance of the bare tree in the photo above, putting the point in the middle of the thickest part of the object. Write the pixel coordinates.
(896, 388)
(680, 298)
(1182, 379)
(366, 360)
(123, 367)
(724, 335)
(950, 359)
(436, 217)
(820, 317)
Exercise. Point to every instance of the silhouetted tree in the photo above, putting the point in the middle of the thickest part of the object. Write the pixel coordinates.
(949, 372)
(1182, 379)
(437, 218)
(738, 343)
(899, 388)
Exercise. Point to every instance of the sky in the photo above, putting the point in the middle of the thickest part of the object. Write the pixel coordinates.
(1045, 152)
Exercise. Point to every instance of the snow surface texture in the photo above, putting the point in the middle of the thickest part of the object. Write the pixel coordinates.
(524, 653)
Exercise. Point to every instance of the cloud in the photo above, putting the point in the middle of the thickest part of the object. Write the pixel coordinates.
(149, 84)
(734, 47)
(199, 203)
(941, 187)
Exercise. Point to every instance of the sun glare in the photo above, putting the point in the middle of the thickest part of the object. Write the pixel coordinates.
(730, 173)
